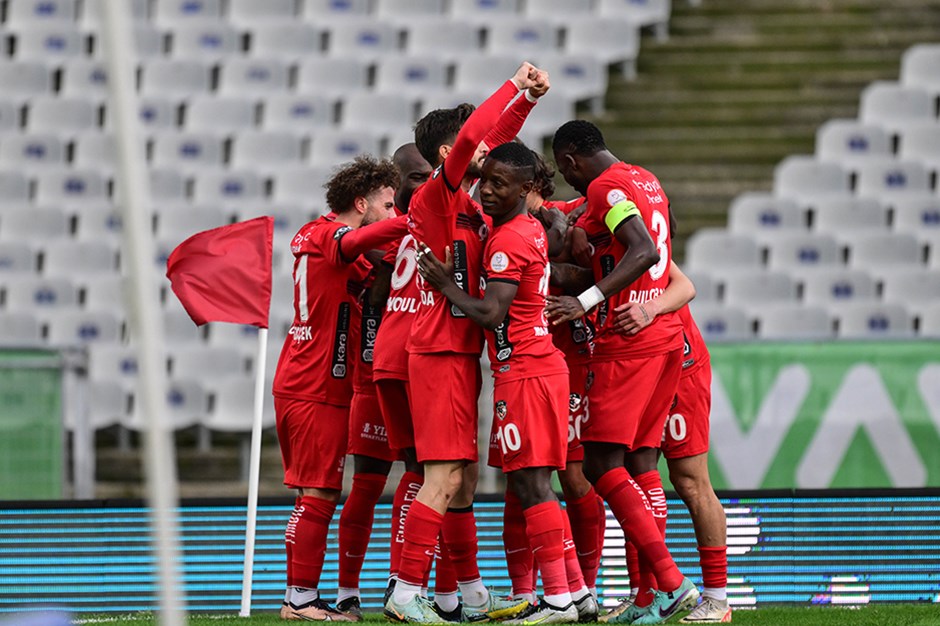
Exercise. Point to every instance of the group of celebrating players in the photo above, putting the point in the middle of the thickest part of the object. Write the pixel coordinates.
(393, 290)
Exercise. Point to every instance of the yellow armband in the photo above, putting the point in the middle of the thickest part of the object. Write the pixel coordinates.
(619, 212)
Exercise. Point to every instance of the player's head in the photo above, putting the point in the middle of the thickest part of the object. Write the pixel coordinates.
(413, 172)
(436, 132)
(506, 180)
(365, 185)
(574, 144)
(544, 183)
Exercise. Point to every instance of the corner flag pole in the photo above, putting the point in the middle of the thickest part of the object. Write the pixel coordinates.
(254, 473)
(146, 327)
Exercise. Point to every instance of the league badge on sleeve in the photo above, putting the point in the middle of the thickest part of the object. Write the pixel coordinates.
(499, 262)
(615, 197)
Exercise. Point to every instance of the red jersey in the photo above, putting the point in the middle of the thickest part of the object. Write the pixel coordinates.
(404, 298)
(365, 327)
(622, 185)
(316, 362)
(521, 346)
(695, 353)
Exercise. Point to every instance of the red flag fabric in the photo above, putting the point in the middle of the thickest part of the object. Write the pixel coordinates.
(224, 274)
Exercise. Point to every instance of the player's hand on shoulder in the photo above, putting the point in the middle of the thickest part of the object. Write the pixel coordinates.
(561, 309)
(631, 318)
(432, 270)
(525, 75)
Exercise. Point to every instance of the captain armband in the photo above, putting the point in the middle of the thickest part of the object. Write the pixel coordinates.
(619, 212)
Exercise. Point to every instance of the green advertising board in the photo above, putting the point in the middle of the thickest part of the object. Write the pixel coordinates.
(821, 415)
(31, 438)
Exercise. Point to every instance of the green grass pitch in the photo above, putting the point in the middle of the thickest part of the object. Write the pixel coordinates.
(893, 615)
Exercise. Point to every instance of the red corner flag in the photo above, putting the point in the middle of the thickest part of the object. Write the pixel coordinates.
(224, 274)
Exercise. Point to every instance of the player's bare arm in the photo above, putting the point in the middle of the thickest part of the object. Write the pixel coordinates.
(556, 228)
(641, 255)
(633, 317)
(580, 246)
(572, 278)
(488, 311)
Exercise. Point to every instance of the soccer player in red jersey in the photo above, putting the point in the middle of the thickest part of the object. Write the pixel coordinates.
(685, 443)
(313, 380)
(530, 375)
(625, 205)
(444, 348)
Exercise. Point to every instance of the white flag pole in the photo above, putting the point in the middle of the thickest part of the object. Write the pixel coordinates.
(145, 325)
(254, 473)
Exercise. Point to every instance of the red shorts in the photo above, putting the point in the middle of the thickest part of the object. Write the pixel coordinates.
(393, 400)
(444, 392)
(630, 399)
(367, 432)
(686, 432)
(312, 436)
(577, 409)
(530, 423)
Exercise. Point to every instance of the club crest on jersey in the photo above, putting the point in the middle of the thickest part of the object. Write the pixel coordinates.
(574, 402)
(499, 262)
(501, 409)
(615, 196)
(342, 231)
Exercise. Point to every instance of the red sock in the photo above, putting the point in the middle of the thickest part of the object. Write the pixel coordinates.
(422, 526)
(519, 557)
(310, 541)
(633, 563)
(584, 516)
(652, 485)
(625, 500)
(405, 494)
(546, 531)
(601, 531)
(355, 526)
(714, 560)
(445, 578)
(289, 534)
(460, 537)
(572, 566)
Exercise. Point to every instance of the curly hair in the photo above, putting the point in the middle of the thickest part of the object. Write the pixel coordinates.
(439, 127)
(362, 176)
(544, 175)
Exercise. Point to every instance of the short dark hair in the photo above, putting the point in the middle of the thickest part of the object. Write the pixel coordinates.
(579, 137)
(515, 154)
(362, 176)
(544, 176)
(439, 127)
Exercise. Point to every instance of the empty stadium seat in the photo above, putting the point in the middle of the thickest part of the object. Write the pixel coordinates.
(331, 10)
(653, 13)
(921, 143)
(706, 286)
(403, 11)
(17, 257)
(917, 214)
(881, 178)
(14, 188)
(98, 222)
(179, 12)
(187, 403)
(181, 222)
(545, 119)
(179, 330)
(245, 13)
(408, 75)
(920, 67)
(205, 41)
(77, 258)
(747, 288)
(332, 77)
(377, 113)
(719, 323)
(103, 293)
(441, 38)
(827, 286)
(64, 116)
(330, 147)
(577, 77)
(302, 186)
(875, 250)
(524, 37)
(909, 286)
(29, 293)
(362, 38)
(108, 404)
(483, 75)
(291, 42)
(252, 77)
(205, 363)
(838, 215)
(70, 186)
(873, 320)
(558, 11)
(50, 43)
(265, 151)
(894, 106)
(31, 12)
(794, 322)
(929, 320)
(710, 249)
(848, 142)
(83, 78)
(792, 251)
(222, 115)
(93, 14)
(483, 11)
(31, 223)
(755, 214)
(174, 149)
(32, 150)
(228, 187)
(156, 113)
(175, 78)
(613, 40)
(79, 328)
(296, 113)
(233, 410)
(808, 180)
(240, 337)
(20, 329)
(24, 79)
(97, 151)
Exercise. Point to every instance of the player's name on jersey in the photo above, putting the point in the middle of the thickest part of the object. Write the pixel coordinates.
(301, 333)
(402, 304)
(641, 296)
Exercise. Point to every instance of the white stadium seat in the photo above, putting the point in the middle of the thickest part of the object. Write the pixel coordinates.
(77, 258)
(246, 13)
(653, 13)
(721, 323)
(332, 77)
(14, 187)
(483, 11)
(706, 286)
(875, 320)
(24, 79)
(747, 288)
(798, 252)
(297, 113)
(178, 12)
(875, 250)
(410, 75)
(848, 142)
(794, 322)
(524, 37)
(921, 143)
(93, 15)
(881, 178)
(205, 40)
(404, 11)
(378, 113)
(220, 114)
(252, 77)
(78, 328)
(808, 180)
(33, 150)
(362, 38)
(929, 320)
(50, 43)
(827, 286)
(612, 40)
(97, 151)
(894, 106)
(229, 187)
(234, 407)
(292, 42)
(10, 117)
(545, 119)
(40, 294)
(156, 113)
(850, 214)
(266, 151)
(441, 38)
(302, 186)
(920, 67)
(909, 286)
(917, 214)
(200, 150)
(85, 77)
(70, 186)
(108, 404)
(756, 214)
(17, 257)
(187, 403)
(179, 330)
(177, 78)
(710, 249)
(558, 11)
(65, 116)
(578, 77)
(331, 10)
(99, 222)
(181, 222)
(34, 223)
(103, 293)
(205, 363)
(20, 329)
(477, 74)
(30, 12)
(331, 147)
